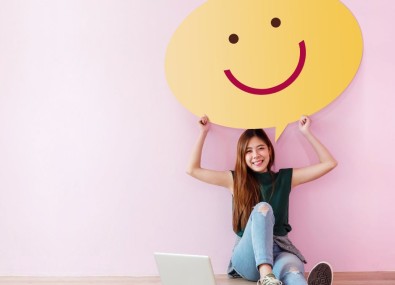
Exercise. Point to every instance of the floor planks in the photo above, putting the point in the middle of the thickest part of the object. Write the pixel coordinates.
(340, 278)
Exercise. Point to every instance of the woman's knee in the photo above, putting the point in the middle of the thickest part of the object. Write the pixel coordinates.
(288, 264)
(263, 208)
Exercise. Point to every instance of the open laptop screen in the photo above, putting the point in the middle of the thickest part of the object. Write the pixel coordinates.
(184, 269)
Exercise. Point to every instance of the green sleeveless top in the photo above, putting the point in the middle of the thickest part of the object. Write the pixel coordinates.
(275, 190)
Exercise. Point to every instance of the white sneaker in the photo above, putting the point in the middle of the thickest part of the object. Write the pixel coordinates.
(321, 274)
(269, 279)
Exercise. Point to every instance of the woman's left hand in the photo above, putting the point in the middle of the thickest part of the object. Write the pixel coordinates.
(304, 124)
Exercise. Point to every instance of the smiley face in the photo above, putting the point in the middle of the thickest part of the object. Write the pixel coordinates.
(263, 63)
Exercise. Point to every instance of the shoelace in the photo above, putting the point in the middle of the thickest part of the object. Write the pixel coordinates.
(268, 280)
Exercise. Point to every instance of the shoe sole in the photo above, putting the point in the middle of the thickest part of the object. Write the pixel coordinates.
(321, 274)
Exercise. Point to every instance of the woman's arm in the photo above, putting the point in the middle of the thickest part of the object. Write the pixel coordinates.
(326, 160)
(220, 178)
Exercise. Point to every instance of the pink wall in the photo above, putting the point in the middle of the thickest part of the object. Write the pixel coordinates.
(93, 147)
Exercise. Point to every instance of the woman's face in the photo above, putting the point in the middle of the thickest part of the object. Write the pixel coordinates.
(257, 155)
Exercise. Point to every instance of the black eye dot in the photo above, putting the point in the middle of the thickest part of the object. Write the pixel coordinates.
(276, 22)
(233, 38)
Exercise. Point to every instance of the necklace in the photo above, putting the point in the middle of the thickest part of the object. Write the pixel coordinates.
(271, 194)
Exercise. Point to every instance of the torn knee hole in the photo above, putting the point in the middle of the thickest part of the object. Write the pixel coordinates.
(264, 209)
(293, 270)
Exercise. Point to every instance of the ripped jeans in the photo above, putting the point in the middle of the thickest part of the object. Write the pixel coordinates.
(256, 247)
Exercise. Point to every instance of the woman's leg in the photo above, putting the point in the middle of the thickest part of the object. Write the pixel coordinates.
(288, 268)
(256, 246)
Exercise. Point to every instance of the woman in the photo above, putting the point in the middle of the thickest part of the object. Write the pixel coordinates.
(263, 251)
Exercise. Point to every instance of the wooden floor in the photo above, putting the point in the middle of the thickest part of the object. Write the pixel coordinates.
(340, 278)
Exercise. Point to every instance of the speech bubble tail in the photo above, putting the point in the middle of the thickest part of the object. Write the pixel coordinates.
(279, 130)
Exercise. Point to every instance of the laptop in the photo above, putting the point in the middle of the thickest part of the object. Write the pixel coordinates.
(184, 269)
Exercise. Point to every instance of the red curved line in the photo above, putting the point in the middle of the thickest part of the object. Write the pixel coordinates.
(274, 89)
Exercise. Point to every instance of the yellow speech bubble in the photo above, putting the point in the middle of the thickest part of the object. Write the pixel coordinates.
(263, 63)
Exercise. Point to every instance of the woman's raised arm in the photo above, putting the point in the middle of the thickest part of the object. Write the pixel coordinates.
(220, 178)
(326, 161)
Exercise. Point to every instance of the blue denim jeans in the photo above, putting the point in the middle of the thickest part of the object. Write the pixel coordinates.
(256, 247)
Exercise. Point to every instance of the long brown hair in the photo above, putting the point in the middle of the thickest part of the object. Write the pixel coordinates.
(246, 190)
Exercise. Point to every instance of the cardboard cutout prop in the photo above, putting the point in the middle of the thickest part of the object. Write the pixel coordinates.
(263, 63)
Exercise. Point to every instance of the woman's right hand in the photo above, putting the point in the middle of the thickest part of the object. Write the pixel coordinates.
(204, 124)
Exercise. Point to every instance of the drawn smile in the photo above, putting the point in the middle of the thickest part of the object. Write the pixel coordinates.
(274, 89)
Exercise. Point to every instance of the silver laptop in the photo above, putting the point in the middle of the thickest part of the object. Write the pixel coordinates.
(184, 269)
